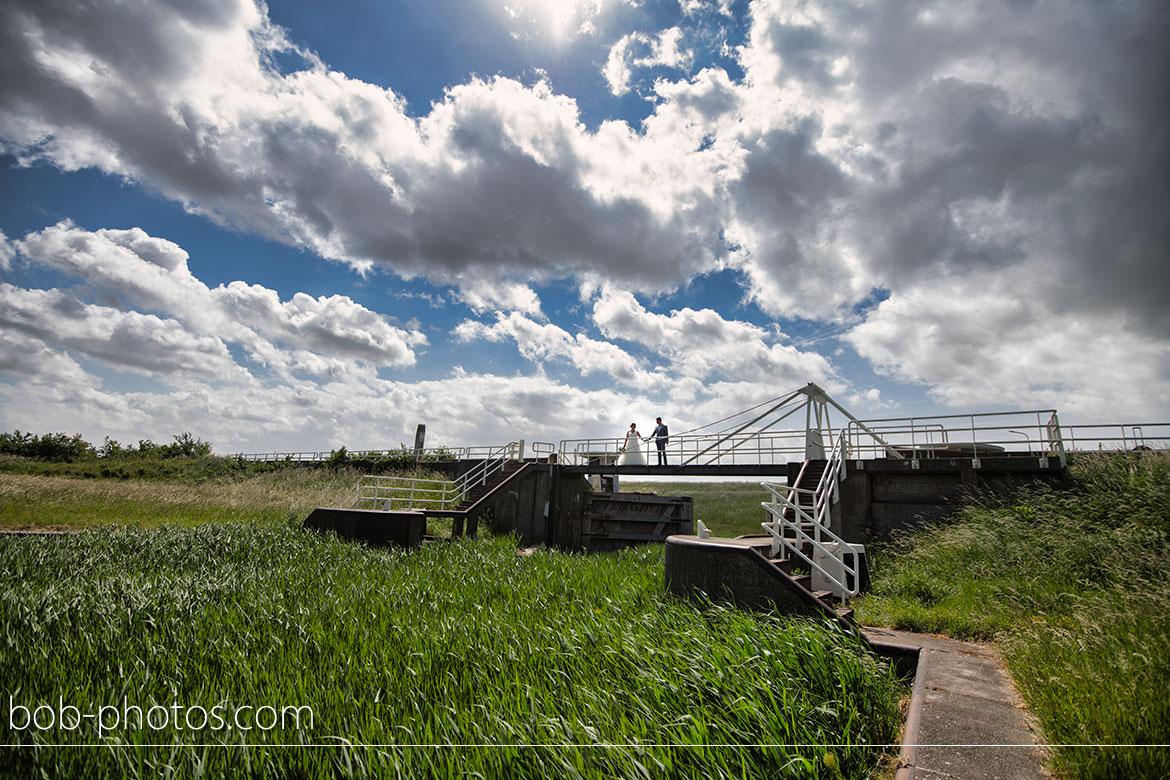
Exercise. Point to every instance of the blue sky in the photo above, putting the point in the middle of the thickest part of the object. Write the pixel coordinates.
(303, 225)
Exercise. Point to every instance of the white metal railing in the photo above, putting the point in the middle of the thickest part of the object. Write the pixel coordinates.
(1118, 436)
(426, 455)
(543, 449)
(772, 447)
(790, 535)
(397, 492)
(1036, 432)
(970, 435)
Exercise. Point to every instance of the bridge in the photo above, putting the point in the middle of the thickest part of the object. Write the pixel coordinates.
(833, 482)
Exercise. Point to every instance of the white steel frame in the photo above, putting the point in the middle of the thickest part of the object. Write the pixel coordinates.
(389, 493)
(790, 535)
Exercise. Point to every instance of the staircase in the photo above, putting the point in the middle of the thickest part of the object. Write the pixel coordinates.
(802, 578)
(741, 571)
(488, 485)
(810, 475)
(799, 520)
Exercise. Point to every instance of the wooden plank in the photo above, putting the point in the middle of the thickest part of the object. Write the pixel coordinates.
(625, 537)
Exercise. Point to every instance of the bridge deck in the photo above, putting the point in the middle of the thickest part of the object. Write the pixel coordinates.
(940, 460)
(713, 470)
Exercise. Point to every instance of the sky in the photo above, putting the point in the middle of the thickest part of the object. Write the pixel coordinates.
(304, 225)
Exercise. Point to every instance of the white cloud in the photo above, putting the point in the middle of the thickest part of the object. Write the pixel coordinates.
(617, 67)
(692, 7)
(976, 346)
(152, 273)
(701, 344)
(7, 252)
(541, 343)
(489, 295)
(125, 340)
(658, 50)
(31, 361)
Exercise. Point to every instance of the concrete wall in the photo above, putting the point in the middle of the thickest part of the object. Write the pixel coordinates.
(403, 528)
(881, 498)
(730, 570)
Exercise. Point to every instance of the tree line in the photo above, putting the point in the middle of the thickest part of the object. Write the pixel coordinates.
(65, 447)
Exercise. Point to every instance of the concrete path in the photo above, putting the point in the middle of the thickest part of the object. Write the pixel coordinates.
(966, 721)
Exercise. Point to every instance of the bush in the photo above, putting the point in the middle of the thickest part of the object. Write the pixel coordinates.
(50, 446)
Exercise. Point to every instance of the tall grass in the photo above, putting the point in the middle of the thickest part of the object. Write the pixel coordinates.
(551, 665)
(284, 496)
(1074, 583)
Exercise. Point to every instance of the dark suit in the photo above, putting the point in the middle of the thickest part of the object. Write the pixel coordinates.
(660, 438)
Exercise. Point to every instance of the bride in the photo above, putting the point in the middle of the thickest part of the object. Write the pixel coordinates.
(631, 451)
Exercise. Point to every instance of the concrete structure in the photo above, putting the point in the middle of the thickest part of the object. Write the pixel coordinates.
(740, 572)
(883, 497)
(402, 528)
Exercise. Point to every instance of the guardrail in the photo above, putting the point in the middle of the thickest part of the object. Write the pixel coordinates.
(1036, 432)
(1117, 437)
(387, 493)
(989, 434)
(772, 447)
(790, 535)
(425, 455)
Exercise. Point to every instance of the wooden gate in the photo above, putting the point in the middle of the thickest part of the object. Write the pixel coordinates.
(611, 521)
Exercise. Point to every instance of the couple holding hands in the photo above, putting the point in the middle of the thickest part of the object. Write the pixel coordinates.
(631, 451)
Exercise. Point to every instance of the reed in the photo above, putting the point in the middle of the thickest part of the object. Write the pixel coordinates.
(460, 659)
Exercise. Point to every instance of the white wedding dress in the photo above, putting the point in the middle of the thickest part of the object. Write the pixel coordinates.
(632, 454)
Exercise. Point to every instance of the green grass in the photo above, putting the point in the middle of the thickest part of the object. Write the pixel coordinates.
(461, 643)
(727, 508)
(1074, 585)
(29, 501)
(135, 466)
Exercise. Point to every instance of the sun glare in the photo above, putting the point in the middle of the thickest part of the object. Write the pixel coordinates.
(557, 20)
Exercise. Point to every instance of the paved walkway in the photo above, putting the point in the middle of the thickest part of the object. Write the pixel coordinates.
(966, 722)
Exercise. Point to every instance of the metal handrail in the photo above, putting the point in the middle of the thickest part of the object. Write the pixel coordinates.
(990, 433)
(795, 544)
(778, 447)
(1117, 437)
(428, 454)
(824, 495)
(914, 437)
(425, 493)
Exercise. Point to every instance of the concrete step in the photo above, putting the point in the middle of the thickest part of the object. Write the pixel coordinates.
(791, 567)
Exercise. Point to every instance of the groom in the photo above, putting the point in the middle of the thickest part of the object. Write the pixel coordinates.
(660, 434)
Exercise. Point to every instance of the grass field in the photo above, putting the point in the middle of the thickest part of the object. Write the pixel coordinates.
(29, 501)
(1071, 585)
(447, 645)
